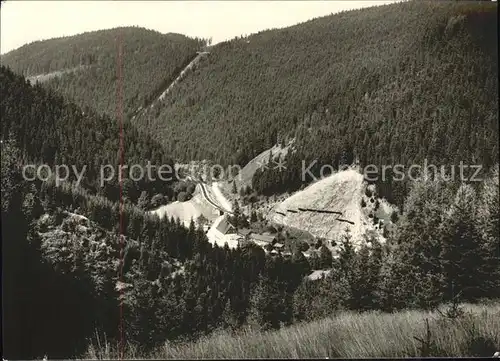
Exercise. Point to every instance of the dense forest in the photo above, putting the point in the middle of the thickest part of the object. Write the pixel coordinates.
(161, 281)
(393, 84)
(51, 130)
(390, 84)
(87, 65)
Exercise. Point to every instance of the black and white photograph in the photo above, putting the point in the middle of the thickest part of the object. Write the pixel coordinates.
(249, 179)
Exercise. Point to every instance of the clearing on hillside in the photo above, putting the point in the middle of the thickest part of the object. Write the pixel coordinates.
(244, 178)
(341, 192)
(190, 209)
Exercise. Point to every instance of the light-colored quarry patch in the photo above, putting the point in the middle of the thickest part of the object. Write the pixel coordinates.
(188, 210)
(340, 192)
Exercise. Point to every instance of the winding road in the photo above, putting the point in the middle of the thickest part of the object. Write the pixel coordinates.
(209, 200)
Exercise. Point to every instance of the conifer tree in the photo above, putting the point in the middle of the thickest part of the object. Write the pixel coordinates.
(229, 319)
(463, 255)
(489, 224)
(143, 201)
(264, 305)
(326, 257)
(419, 243)
(253, 216)
(301, 264)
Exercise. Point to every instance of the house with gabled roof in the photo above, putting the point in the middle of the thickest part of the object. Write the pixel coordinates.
(263, 238)
(224, 226)
(245, 233)
(222, 232)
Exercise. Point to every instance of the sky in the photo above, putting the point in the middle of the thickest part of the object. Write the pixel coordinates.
(24, 21)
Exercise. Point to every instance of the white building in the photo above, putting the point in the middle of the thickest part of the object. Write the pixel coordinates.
(223, 232)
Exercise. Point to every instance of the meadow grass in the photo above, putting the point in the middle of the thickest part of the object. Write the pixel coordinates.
(347, 335)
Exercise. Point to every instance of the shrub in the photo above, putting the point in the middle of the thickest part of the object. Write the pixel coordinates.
(303, 246)
(191, 188)
(182, 197)
(158, 200)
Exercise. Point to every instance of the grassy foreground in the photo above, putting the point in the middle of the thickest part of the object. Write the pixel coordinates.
(348, 335)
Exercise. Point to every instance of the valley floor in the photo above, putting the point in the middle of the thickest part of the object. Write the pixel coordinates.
(349, 335)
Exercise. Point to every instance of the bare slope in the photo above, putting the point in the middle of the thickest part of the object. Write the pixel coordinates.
(190, 209)
(183, 73)
(341, 192)
(264, 159)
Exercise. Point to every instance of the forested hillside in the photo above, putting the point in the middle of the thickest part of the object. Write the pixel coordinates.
(85, 66)
(88, 266)
(71, 269)
(173, 285)
(49, 129)
(389, 84)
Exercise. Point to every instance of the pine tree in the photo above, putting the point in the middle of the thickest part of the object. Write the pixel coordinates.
(253, 216)
(392, 293)
(463, 255)
(489, 223)
(345, 275)
(228, 318)
(235, 218)
(314, 261)
(326, 258)
(374, 270)
(143, 201)
(201, 221)
(302, 267)
(264, 305)
(419, 242)
(346, 253)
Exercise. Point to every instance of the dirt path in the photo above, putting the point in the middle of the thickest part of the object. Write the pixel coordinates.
(224, 207)
(220, 197)
(183, 73)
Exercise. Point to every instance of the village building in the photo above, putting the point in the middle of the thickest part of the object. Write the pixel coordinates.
(223, 232)
(265, 238)
(224, 227)
(279, 246)
(262, 239)
(245, 233)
